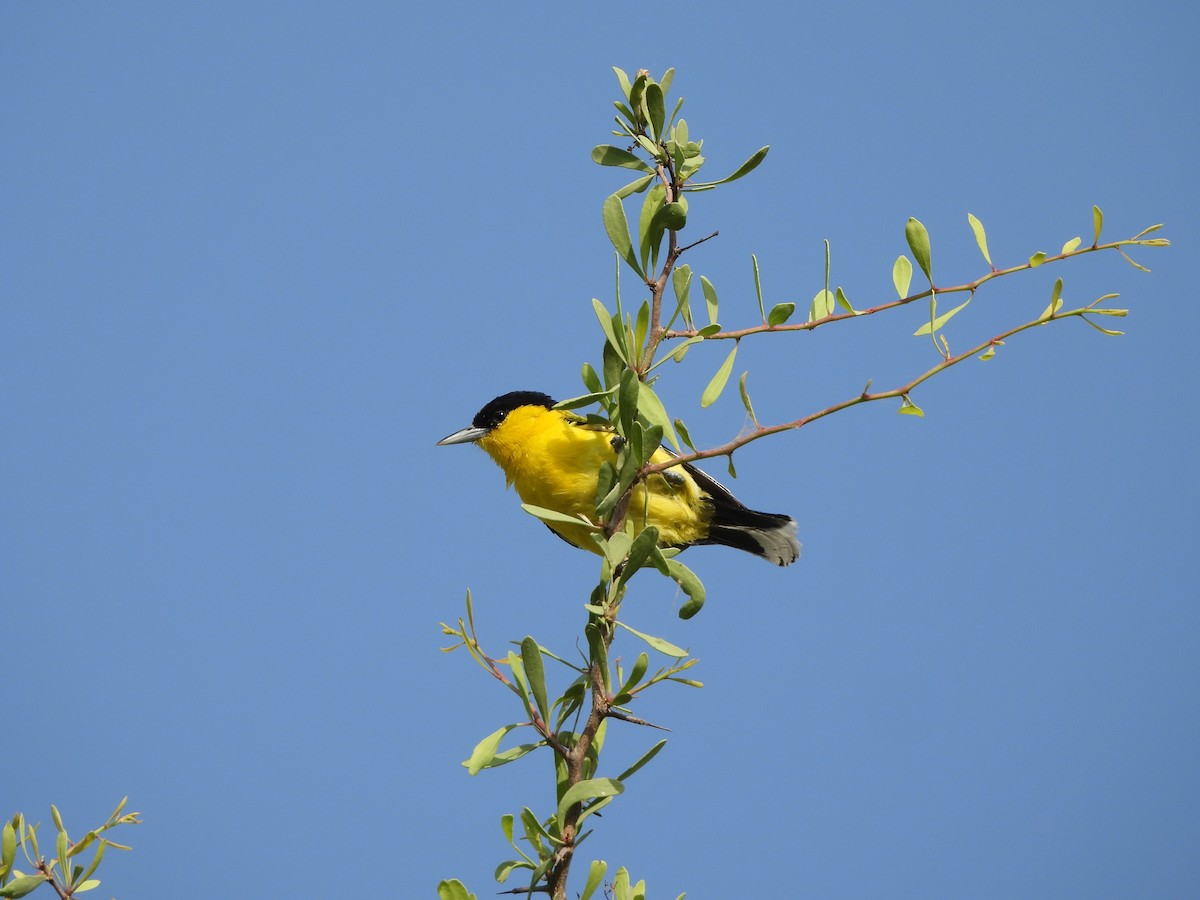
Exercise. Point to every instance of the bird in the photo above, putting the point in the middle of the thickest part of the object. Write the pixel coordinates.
(553, 458)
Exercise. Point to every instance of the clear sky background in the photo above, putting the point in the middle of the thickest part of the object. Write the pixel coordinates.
(256, 258)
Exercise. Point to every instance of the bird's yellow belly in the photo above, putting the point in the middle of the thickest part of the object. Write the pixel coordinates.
(558, 469)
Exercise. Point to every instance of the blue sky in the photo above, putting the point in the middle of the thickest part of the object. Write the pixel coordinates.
(255, 258)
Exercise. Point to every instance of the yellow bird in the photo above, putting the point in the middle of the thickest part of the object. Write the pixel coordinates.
(553, 458)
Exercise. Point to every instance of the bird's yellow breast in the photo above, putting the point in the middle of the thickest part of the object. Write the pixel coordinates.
(553, 461)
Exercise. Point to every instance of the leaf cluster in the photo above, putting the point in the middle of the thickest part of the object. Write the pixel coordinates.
(66, 873)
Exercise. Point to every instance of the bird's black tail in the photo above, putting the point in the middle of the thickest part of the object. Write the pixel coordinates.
(769, 535)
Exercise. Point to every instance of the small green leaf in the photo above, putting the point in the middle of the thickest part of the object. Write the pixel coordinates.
(780, 313)
(684, 435)
(691, 585)
(506, 868)
(1129, 260)
(646, 757)
(918, 242)
(664, 647)
(635, 187)
(671, 216)
(746, 398)
(606, 155)
(591, 380)
(717, 384)
(87, 885)
(656, 107)
(531, 656)
(595, 878)
(591, 789)
(615, 341)
(822, 305)
(729, 467)
(938, 322)
(551, 515)
(980, 237)
(617, 228)
(1037, 259)
(453, 890)
(19, 887)
(758, 287)
(844, 303)
(902, 275)
(988, 353)
(1069, 246)
(710, 299)
(908, 408)
(743, 170)
(654, 411)
(1097, 222)
(8, 847)
(1109, 331)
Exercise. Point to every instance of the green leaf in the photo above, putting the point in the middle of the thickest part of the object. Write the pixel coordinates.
(980, 237)
(508, 867)
(710, 299)
(623, 80)
(595, 878)
(691, 585)
(87, 885)
(1129, 260)
(672, 216)
(485, 750)
(1097, 222)
(681, 283)
(717, 384)
(822, 305)
(511, 754)
(941, 320)
(654, 411)
(1037, 259)
(746, 398)
(1109, 331)
(615, 341)
(591, 380)
(656, 107)
(664, 647)
(531, 656)
(646, 757)
(453, 890)
(918, 242)
(551, 515)
(606, 155)
(583, 791)
(902, 275)
(780, 313)
(743, 170)
(617, 228)
(650, 234)
(684, 435)
(908, 408)
(8, 848)
(1069, 246)
(667, 77)
(844, 303)
(19, 887)
(635, 187)
(758, 288)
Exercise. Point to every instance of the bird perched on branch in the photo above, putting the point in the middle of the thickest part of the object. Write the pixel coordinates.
(553, 458)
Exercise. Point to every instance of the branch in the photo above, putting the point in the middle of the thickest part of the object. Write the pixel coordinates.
(762, 431)
(969, 287)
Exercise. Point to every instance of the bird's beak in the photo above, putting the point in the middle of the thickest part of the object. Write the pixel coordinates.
(466, 436)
